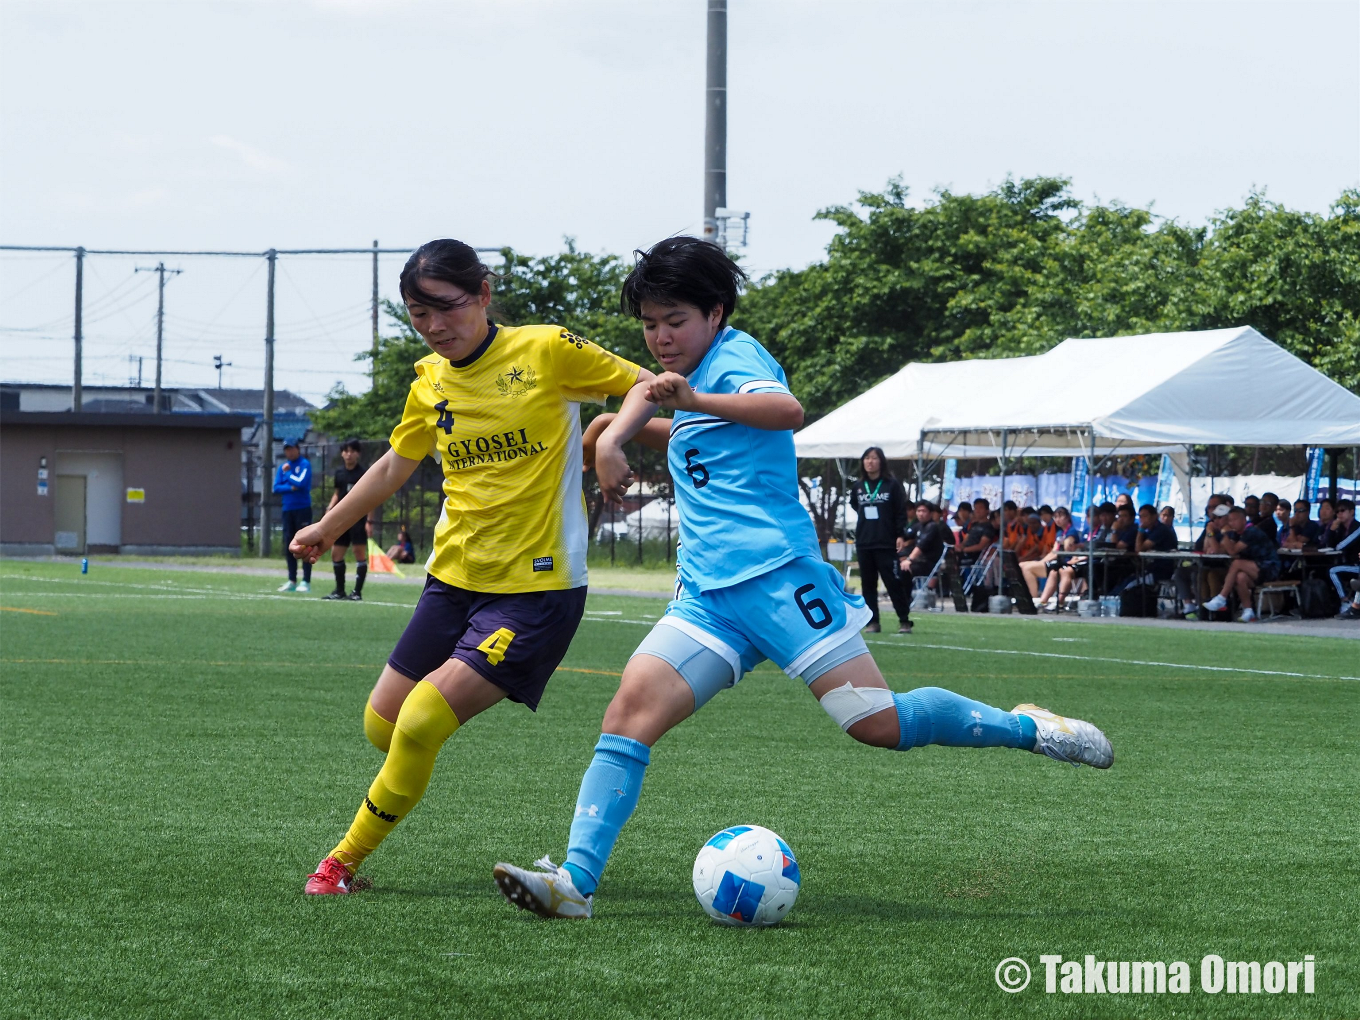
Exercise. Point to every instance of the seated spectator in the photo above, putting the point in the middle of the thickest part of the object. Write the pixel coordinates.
(1302, 532)
(930, 542)
(979, 536)
(1011, 525)
(1344, 536)
(403, 551)
(1168, 516)
(1046, 514)
(1267, 521)
(1123, 499)
(1209, 579)
(963, 517)
(1252, 505)
(1062, 576)
(1062, 528)
(1281, 517)
(1124, 537)
(940, 515)
(1326, 515)
(1255, 561)
(1155, 535)
(1029, 545)
(1102, 526)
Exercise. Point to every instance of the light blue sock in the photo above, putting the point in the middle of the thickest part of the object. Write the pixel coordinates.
(932, 715)
(609, 793)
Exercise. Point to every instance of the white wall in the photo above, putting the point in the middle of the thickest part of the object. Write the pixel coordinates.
(104, 493)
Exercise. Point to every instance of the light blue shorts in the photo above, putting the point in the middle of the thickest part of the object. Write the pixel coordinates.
(798, 615)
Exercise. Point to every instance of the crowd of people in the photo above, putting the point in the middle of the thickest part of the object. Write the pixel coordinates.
(898, 543)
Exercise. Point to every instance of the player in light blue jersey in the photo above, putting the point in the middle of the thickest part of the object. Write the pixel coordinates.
(752, 582)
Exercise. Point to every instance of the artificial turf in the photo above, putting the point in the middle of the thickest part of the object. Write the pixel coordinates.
(180, 749)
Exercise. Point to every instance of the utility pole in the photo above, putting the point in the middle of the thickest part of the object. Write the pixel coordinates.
(219, 364)
(267, 441)
(715, 120)
(160, 271)
(375, 306)
(76, 399)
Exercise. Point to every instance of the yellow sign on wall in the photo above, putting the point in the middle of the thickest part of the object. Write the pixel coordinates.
(136, 495)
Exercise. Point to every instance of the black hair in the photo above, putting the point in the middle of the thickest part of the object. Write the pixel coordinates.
(1345, 504)
(1061, 510)
(1147, 506)
(1045, 509)
(984, 502)
(683, 270)
(1010, 505)
(883, 470)
(352, 444)
(1305, 503)
(1107, 508)
(446, 260)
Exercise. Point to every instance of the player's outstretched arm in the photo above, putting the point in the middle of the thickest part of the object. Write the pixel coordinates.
(372, 490)
(775, 412)
(655, 435)
(611, 466)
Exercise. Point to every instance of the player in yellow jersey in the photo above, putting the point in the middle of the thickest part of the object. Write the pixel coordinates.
(499, 407)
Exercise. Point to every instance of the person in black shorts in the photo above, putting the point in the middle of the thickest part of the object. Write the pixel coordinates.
(357, 536)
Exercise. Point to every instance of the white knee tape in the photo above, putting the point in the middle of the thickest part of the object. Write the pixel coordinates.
(848, 704)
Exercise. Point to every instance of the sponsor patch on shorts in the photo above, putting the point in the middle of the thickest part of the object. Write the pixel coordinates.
(542, 563)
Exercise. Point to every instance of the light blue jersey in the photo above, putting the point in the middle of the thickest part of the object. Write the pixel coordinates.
(736, 487)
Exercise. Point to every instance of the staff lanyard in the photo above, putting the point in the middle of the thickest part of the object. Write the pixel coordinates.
(877, 489)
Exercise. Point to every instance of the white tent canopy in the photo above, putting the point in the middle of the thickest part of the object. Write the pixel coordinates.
(1158, 392)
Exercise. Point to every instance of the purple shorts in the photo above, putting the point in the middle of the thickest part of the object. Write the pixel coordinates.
(514, 640)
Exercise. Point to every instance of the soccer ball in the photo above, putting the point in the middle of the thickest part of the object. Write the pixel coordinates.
(746, 876)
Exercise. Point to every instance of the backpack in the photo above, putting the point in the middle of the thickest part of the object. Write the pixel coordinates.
(1138, 600)
(1317, 599)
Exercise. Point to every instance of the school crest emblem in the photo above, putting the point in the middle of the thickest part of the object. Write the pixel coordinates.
(516, 382)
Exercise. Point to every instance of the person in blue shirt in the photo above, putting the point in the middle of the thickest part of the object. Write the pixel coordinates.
(1155, 535)
(293, 481)
(752, 580)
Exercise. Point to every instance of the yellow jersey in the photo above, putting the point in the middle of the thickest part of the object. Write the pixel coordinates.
(505, 424)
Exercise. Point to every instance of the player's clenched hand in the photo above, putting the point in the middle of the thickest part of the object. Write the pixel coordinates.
(309, 543)
(611, 467)
(672, 391)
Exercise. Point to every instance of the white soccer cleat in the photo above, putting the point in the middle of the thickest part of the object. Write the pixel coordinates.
(288, 586)
(1071, 740)
(1248, 616)
(1216, 604)
(304, 586)
(548, 892)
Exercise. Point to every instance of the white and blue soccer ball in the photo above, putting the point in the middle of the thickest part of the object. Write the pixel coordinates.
(746, 876)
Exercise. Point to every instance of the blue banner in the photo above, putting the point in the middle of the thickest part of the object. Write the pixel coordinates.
(1312, 479)
(1165, 474)
(1079, 500)
(951, 467)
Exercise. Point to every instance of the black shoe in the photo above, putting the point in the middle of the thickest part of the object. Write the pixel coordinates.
(335, 596)
(905, 628)
(354, 596)
(873, 627)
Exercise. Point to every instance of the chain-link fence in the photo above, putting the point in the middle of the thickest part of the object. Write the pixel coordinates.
(644, 531)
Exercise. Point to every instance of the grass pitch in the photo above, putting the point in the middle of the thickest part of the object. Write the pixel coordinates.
(180, 749)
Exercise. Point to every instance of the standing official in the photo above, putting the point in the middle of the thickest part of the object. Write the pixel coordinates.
(880, 502)
(293, 481)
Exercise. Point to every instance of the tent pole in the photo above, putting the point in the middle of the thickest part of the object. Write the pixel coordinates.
(845, 521)
(1001, 519)
(1090, 525)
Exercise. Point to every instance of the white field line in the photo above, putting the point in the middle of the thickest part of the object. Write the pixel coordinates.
(1122, 662)
(206, 593)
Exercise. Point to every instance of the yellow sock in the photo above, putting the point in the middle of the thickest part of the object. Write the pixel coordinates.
(423, 724)
(377, 729)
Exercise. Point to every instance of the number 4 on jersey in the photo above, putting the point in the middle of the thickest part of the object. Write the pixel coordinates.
(496, 645)
(445, 419)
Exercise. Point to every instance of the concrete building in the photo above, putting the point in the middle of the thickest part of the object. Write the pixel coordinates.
(131, 483)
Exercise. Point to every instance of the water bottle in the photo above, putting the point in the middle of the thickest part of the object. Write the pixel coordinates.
(85, 565)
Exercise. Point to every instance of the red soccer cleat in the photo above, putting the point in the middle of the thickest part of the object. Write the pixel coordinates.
(331, 878)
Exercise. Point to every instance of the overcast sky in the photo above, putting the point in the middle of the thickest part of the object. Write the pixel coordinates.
(319, 124)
